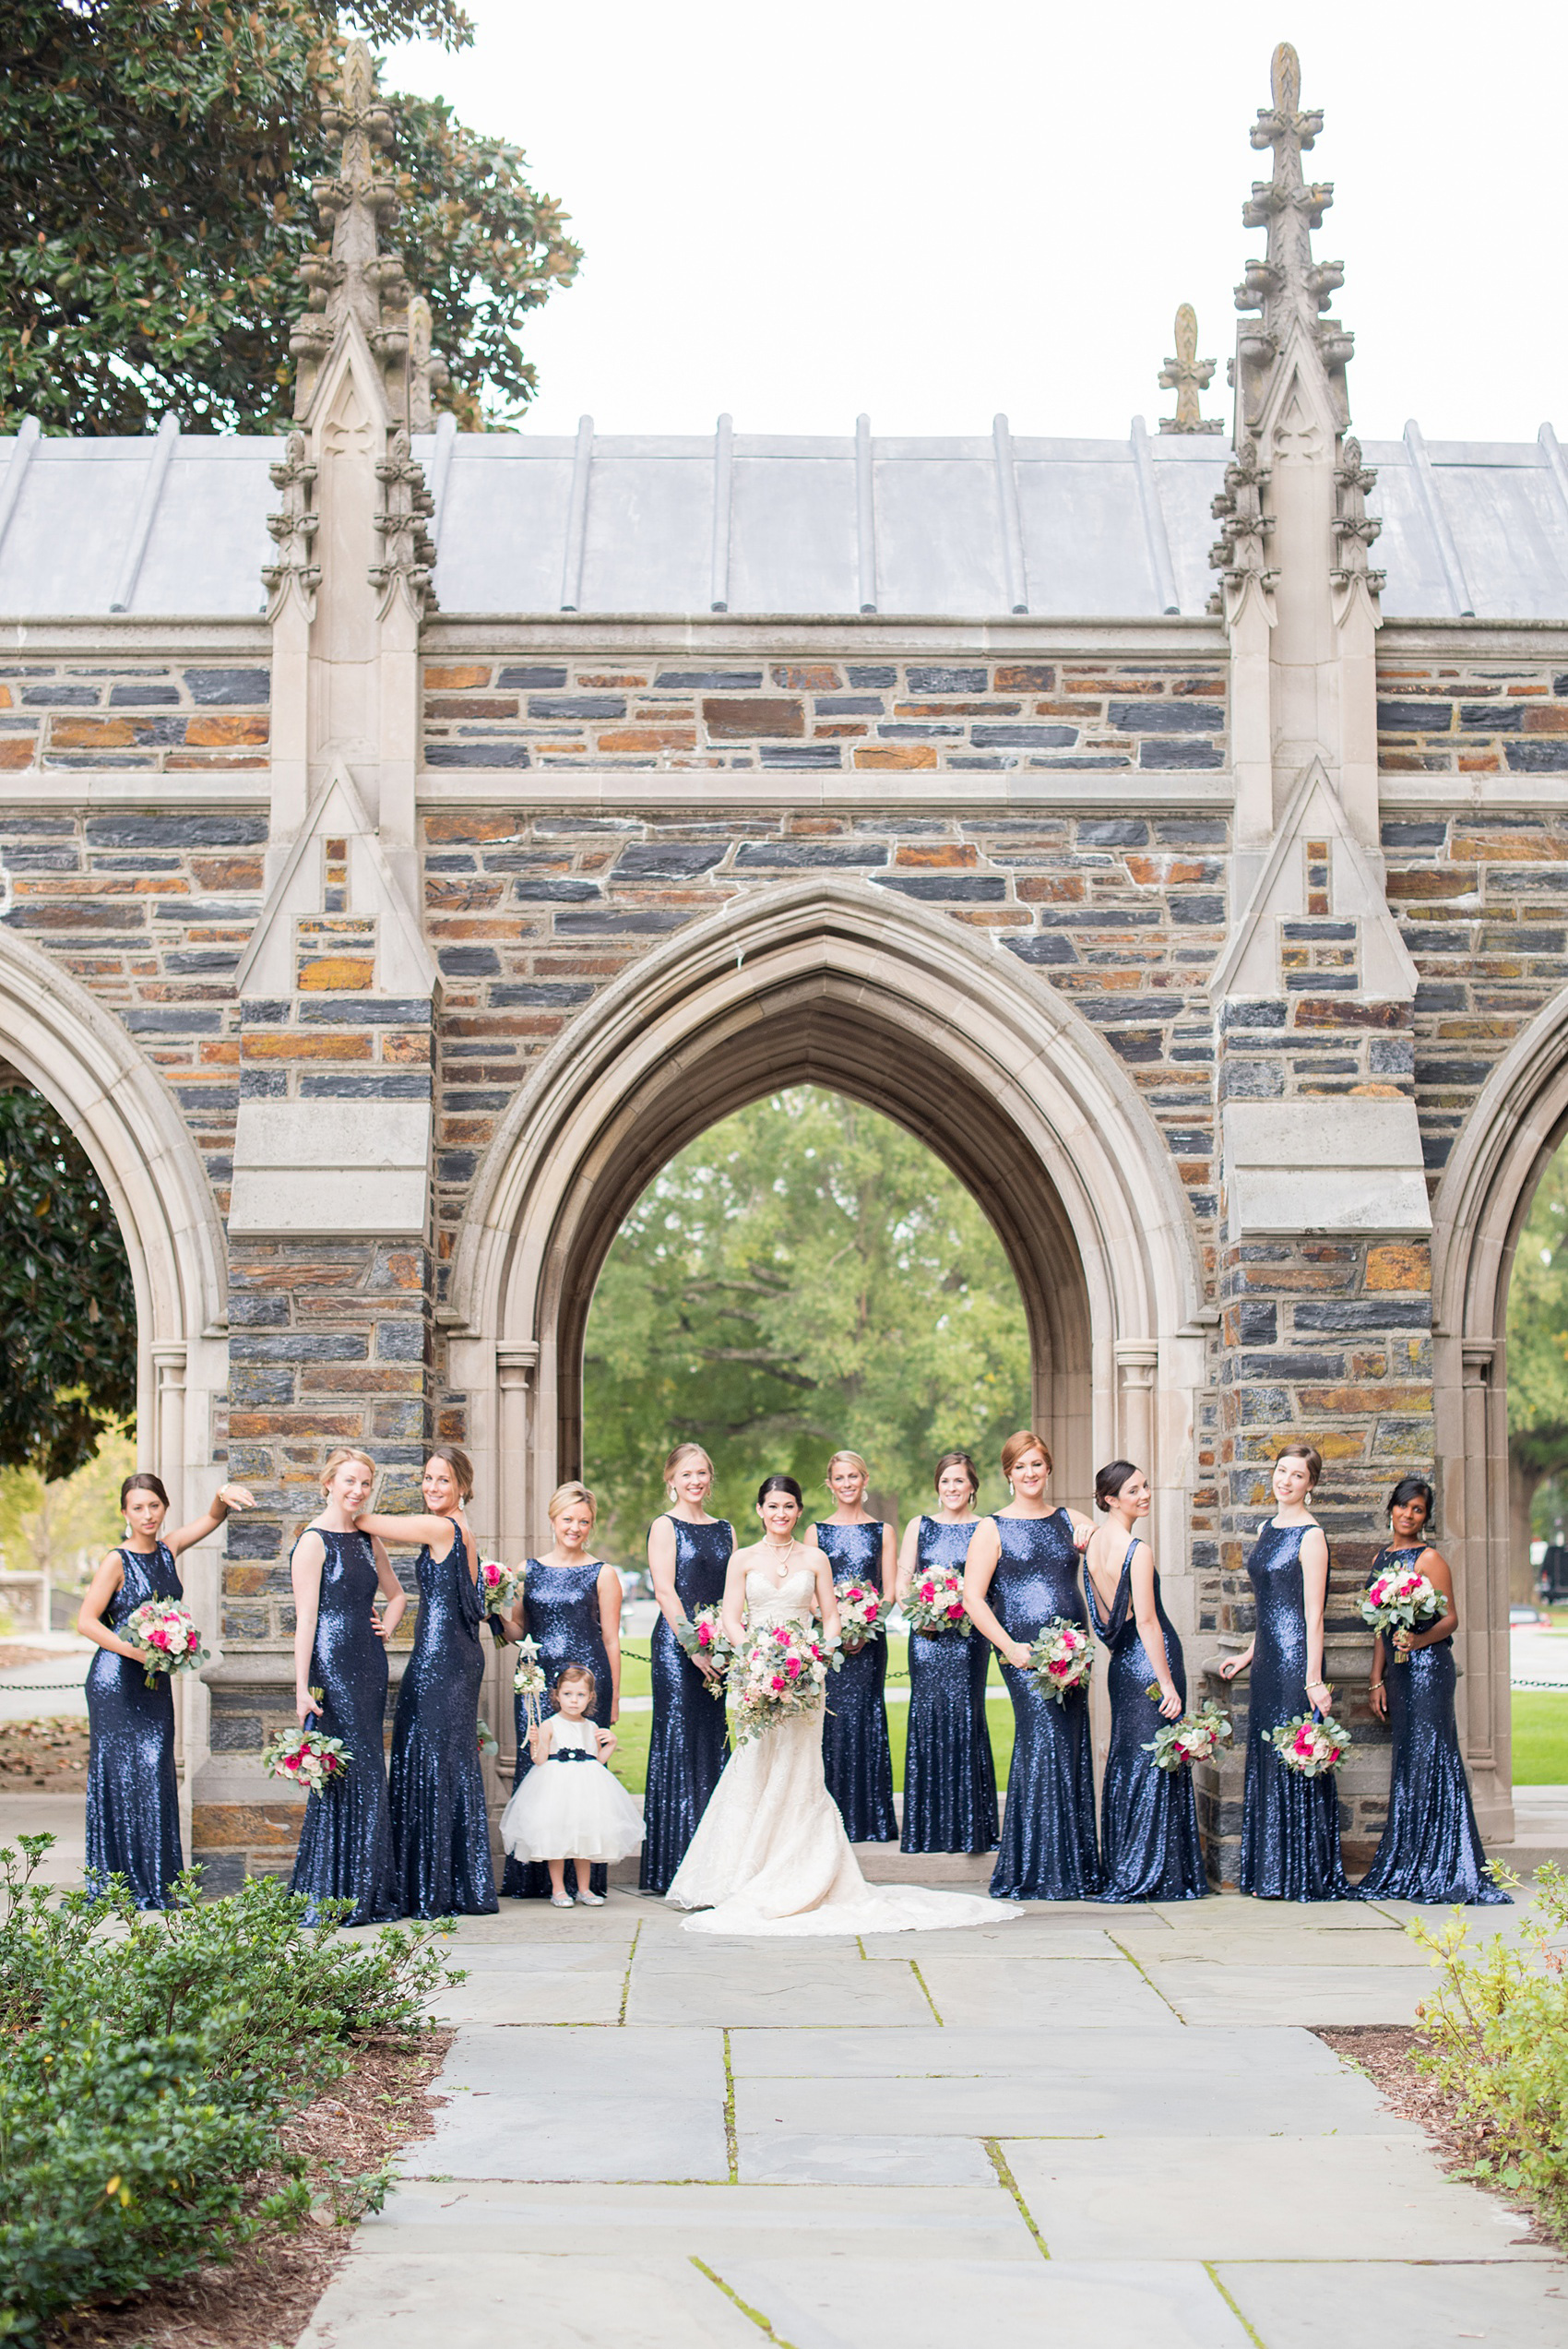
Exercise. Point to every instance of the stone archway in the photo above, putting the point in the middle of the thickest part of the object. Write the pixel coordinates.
(841, 985)
(1518, 1120)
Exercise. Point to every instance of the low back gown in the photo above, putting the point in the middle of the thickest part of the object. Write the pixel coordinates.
(561, 1612)
(1290, 1824)
(949, 1775)
(440, 1824)
(1431, 1847)
(1149, 1848)
(770, 1854)
(346, 1843)
(133, 1795)
(1048, 1840)
(687, 1745)
(855, 1752)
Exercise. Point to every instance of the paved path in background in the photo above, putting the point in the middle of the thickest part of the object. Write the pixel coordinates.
(44, 1690)
(1096, 2128)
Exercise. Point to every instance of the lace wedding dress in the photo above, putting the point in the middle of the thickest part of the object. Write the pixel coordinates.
(770, 1854)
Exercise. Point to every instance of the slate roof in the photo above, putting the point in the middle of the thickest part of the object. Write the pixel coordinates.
(968, 528)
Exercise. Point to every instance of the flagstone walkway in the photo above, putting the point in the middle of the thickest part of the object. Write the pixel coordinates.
(1096, 2128)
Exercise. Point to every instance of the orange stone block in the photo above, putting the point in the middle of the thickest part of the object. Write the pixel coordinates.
(18, 752)
(634, 738)
(336, 974)
(227, 1826)
(1391, 1266)
(232, 732)
(1546, 719)
(906, 754)
(292, 1046)
(92, 733)
(807, 676)
(458, 677)
(946, 856)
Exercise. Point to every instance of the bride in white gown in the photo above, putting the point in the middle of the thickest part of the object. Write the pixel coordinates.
(770, 1854)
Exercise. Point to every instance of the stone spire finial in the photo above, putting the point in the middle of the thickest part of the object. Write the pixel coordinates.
(1288, 286)
(1186, 375)
(358, 279)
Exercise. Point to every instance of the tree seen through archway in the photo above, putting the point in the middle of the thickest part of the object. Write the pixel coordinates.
(806, 1275)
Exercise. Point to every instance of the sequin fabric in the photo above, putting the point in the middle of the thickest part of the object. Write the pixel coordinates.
(1290, 1824)
(856, 1757)
(949, 1775)
(132, 1796)
(345, 1850)
(1048, 1850)
(440, 1826)
(1148, 1819)
(561, 1612)
(687, 1745)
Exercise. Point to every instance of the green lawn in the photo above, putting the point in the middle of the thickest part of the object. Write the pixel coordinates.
(1541, 1738)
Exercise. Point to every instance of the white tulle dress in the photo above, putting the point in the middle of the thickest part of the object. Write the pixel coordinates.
(571, 1809)
(770, 1854)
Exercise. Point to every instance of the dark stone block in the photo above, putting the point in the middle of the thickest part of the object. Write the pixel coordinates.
(1538, 758)
(397, 1084)
(539, 994)
(476, 753)
(208, 962)
(1196, 910)
(873, 677)
(213, 688)
(991, 762)
(469, 962)
(1456, 1072)
(1157, 756)
(64, 914)
(767, 714)
(952, 888)
(1167, 717)
(208, 1101)
(1321, 933)
(1415, 717)
(708, 681)
(365, 1011)
(944, 680)
(1362, 1313)
(1392, 1057)
(1492, 717)
(1046, 950)
(1237, 1012)
(43, 859)
(848, 705)
(810, 754)
(668, 860)
(208, 909)
(459, 863)
(144, 697)
(1137, 1044)
(1436, 1148)
(1414, 835)
(475, 1104)
(1291, 1366)
(797, 855)
(620, 921)
(1433, 995)
(1321, 983)
(263, 1084)
(1111, 832)
(1086, 762)
(1190, 834)
(60, 697)
(253, 1537)
(456, 1165)
(542, 890)
(176, 831)
(260, 1309)
(1023, 737)
(1250, 1080)
(534, 680)
(1258, 1324)
(173, 1019)
(578, 705)
(401, 1340)
(1100, 917)
(916, 732)
(235, 1733)
(1123, 1010)
(299, 1345)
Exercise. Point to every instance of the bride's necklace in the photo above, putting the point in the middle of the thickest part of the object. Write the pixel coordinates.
(776, 1551)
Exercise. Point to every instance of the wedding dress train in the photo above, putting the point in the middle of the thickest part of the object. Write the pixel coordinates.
(770, 1854)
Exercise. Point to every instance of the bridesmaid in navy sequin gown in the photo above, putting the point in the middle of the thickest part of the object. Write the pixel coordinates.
(341, 1656)
(1023, 1569)
(132, 1796)
(1432, 1848)
(1148, 1819)
(949, 1775)
(688, 1556)
(440, 1824)
(571, 1605)
(856, 1757)
(1290, 1824)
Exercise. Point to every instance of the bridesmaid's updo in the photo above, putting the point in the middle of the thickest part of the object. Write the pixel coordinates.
(459, 1463)
(1413, 1488)
(957, 1460)
(855, 1461)
(1307, 1452)
(144, 1481)
(336, 1459)
(571, 1496)
(683, 1452)
(1014, 1448)
(1112, 1477)
(780, 1484)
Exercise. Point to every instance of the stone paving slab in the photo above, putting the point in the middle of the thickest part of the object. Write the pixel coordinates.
(471, 2300)
(540, 1994)
(774, 2157)
(1084, 1991)
(1268, 2198)
(1202, 1992)
(664, 1990)
(1385, 2306)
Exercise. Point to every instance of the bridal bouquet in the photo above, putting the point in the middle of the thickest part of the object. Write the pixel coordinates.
(529, 1680)
(936, 1601)
(705, 1640)
(167, 1635)
(1401, 1600)
(1062, 1658)
(501, 1586)
(306, 1757)
(861, 1609)
(1309, 1745)
(782, 1669)
(1196, 1738)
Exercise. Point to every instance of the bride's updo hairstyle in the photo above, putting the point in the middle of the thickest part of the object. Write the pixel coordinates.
(1112, 1477)
(1018, 1446)
(780, 1484)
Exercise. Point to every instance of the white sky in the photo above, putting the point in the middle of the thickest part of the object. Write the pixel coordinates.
(935, 212)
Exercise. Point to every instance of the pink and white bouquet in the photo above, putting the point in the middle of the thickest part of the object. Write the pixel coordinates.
(529, 1680)
(1401, 1600)
(1309, 1746)
(935, 1603)
(306, 1757)
(488, 1742)
(1196, 1738)
(168, 1637)
(861, 1609)
(500, 1586)
(781, 1670)
(1062, 1658)
(705, 1640)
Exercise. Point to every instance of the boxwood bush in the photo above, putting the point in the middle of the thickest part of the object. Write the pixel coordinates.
(147, 2064)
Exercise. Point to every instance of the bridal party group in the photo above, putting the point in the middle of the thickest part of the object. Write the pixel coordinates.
(1042, 1586)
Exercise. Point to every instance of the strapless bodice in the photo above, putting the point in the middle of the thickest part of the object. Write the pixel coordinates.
(785, 1602)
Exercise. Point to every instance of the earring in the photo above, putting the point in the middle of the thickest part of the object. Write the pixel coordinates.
(1010, 1494)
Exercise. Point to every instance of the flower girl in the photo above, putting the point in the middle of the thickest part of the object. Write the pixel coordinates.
(577, 1812)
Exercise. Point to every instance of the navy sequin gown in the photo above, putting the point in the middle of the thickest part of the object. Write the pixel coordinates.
(1290, 1824)
(1431, 1847)
(132, 1796)
(856, 1758)
(561, 1612)
(1148, 1819)
(440, 1825)
(346, 1843)
(949, 1776)
(686, 1749)
(1048, 1840)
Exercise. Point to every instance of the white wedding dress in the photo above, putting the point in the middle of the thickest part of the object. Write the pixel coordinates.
(770, 1854)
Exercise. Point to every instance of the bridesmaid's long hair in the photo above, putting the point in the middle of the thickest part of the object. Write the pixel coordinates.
(1413, 1488)
(458, 1462)
(855, 1461)
(335, 1461)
